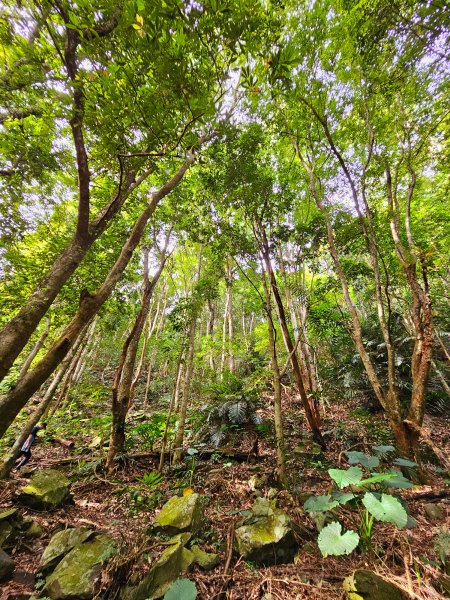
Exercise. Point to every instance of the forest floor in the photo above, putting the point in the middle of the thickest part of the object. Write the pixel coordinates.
(123, 506)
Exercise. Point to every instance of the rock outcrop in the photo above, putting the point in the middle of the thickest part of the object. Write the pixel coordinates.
(186, 513)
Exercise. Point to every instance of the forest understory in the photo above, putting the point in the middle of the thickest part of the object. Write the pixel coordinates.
(110, 504)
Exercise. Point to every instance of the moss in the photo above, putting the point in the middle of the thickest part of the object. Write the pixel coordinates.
(61, 544)
(76, 575)
(47, 488)
(367, 585)
(181, 514)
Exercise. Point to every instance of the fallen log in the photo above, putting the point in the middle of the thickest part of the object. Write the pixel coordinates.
(66, 443)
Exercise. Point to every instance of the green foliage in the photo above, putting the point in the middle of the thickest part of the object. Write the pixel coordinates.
(386, 508)
(332, 542)
(346, 477)
(181, 589)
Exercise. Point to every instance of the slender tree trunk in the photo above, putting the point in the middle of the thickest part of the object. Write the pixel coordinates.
(121, 390)
(172, 407)
(210, 333)
(37, 346)
(8, 463)
(278, 413)
(11, 403)
(182, 411)
(311, 415)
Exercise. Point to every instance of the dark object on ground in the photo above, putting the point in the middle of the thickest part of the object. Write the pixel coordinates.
(7, 566)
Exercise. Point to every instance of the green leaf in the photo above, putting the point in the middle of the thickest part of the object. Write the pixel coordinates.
(399, 481)
(366, 460)
(317, 504)
(346, 477)
(387, 509)
(383, 449)
(181, 589)
(404, 462)
(376, 478)
(343, 497)
(332, 542)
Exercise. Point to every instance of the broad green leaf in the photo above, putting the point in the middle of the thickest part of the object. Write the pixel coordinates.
(399, 481)
(387, 509)
(343, 497)
(376, 478)
(333, 543)
(181, 589)
(317, 504)
(346, 477)
(366, 460)
(404, 462)
(383, 449)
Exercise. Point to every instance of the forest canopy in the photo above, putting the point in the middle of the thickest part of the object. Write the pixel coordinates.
(225, 218)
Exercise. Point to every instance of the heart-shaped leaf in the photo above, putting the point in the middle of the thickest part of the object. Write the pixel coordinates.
(333, 542)
(181, 589)
(343, 497)
(317, 504)
(359, 458)
(383, 449)
(346, 477)
(387, 509)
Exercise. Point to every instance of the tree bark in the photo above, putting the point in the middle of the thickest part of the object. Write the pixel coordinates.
(121, 390)
(311, 415)
(38, 345)
(11, 404)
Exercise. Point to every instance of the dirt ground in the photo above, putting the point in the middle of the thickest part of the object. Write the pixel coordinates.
(123, 507)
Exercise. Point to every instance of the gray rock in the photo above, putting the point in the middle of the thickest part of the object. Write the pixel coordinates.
(7, 566)
(266, 537)
(435, 512)
(47, 489)
(367, 585)
(61, 544)
(180, 514)
(77, 575)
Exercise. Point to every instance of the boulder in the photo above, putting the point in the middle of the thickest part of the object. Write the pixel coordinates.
(48, 488)
(307, 449)
(367, 585)
(10, 524)
(435, 512)
(77, 574)
(169, 566)
(33, 530)
(61, 544)
(7, 566)
(266, 536)
(203, 559)
(180, 514)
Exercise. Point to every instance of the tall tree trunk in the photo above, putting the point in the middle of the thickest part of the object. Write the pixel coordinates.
(311, 415)
(229, 280)
(121, 389)
(210, 333)
(278, 413)
(182, 410)
(12, 402)
(172, 407)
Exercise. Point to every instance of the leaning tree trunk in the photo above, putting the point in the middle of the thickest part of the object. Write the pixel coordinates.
(311, 415)
(124, 375)
(13, 402)
(8, 463)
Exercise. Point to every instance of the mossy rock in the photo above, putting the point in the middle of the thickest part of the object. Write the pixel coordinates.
(33, 530)
(61, 544)
(434, 512)
(179, 514)
(48, 488)
(266, 537)
(173, 561)
(12, 514)
(367, 585)
(6, 534)
(77, 574)
(203, 559)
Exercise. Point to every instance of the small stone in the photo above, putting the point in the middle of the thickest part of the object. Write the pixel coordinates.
(35, 530)
(205, 560)
(7, 566)
(181, 514)
(435, 512)
(367, 585)
(48, 488)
